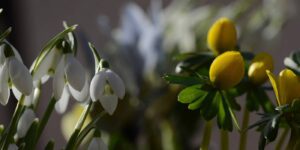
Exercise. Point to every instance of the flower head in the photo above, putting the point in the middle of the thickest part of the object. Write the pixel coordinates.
(12, 70)
(227, 70)
(107, 87)
(286, 86)
(222, 36)
(257, 70)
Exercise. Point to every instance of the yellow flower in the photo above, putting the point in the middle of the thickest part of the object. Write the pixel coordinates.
(227, 70)
(70, 119)
(222, 36)
(257, 70)
(286, 87)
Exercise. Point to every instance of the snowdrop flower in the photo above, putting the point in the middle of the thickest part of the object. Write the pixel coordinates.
(69, 79)
(12, 69)
(12, 147)
(97, 144)
(107, 87)
(25, 122)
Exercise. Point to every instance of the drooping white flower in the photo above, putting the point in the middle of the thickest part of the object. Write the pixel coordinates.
(12, 69)
(97, 144)
(12, 147)
(107, 87)
(69, 79)
(25, 122)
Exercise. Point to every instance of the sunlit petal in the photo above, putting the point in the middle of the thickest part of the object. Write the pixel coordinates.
(289, 86)
(82, 95)
(58, 80)
(25, 122)
(274, 82)
(97, 85)
(4, 89)
(116, 83)
(75, 72)
(97, 144)
(62, 104)
(109, 103)
(20, 76)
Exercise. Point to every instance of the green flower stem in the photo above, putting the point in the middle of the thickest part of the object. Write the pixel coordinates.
(45, 118)
(206, 135)
(224, 140)
(73, 139)
(244, 133)
(88, 128)
(282, 139)
(8, 138)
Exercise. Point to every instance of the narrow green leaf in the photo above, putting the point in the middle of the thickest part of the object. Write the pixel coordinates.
(252, 101)
(232, 102)
(50, 145)
(30, 138)
(210, 110)
(97, 57)
(271, 129)
(197, 104)
(264, 100)
(232, 114)
(190, 94)
(224, 119)
(5, 34)
(71, 38)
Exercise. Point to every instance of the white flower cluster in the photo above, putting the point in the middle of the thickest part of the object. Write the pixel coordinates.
(70, 78)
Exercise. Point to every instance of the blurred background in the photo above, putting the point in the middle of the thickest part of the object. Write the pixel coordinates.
(139, 39)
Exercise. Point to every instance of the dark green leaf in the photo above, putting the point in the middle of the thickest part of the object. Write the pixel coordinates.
(211, 109)
(262, 142)
(191, 94)
(50, 145)
(252, 101)
(271, 129)
(264, 100)
(232, 102)
(197, 104)
(186, 81)
(224, 119)
(30, 138)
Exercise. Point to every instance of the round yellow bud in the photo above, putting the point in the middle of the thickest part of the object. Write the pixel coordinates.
(257, 70)
(222, 36)
(227, 70)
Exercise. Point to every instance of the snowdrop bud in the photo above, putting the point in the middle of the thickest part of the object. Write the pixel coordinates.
(97, 144)
(4, 88)
(20, 76)
(257, 70)
(227, 70)
(12, 147)
(222, 36)
(25, 122)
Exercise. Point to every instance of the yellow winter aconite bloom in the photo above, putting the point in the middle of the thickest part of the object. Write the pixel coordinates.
(286, 86)
(257, 70)
(227, 70)
(222, 36)
(69, 120)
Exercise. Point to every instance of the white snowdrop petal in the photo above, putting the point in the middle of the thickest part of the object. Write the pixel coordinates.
(12, 147)
(116, 83)
(2, 56)
(20, 76)
(44, 65)
(16, 53)
(97, 85)
(4, 88)
(75, 73)
(82, 95)
(28, 99)
(58, 80)
(62, 104)
(97, 144)
(109, 103)
(25, 122)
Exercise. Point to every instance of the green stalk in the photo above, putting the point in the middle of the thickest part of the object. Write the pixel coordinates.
(7, 138)
(45, 118)
(282, 139)
(206, 135)
(224, 140)
(244, 133)
(72, 142)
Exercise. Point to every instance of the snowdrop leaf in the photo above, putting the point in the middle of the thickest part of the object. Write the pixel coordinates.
(5, 34)
(116, 83)
(25, 122)
(109, 103)
(51, 44)
(71, 38)
(97, 85)
(75, 73)
(62, 104)
(97, 143)
(4, 89)
(20, 76)
(97, 57)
